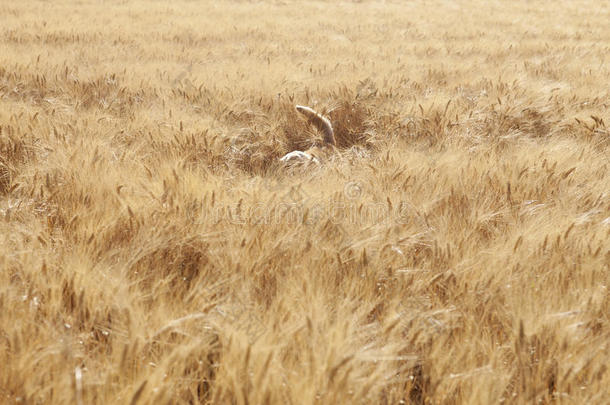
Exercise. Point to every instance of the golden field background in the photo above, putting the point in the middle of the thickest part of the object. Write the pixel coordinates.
(454, 250)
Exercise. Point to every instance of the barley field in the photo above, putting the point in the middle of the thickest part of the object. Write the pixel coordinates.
(454, 248)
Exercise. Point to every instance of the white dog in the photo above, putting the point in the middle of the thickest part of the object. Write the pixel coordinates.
(316, 153)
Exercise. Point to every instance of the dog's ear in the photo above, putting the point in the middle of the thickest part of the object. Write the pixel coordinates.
(320, 122)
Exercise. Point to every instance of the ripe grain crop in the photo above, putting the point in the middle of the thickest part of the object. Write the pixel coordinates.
(454, 248)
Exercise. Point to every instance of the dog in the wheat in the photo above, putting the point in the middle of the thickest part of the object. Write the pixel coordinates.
(316, 153)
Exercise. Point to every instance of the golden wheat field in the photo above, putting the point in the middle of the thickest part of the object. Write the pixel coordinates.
(452, 248)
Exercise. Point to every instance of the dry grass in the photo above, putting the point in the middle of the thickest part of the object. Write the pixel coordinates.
(454, 250)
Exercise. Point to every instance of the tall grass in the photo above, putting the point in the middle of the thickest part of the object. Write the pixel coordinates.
(455, 248)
